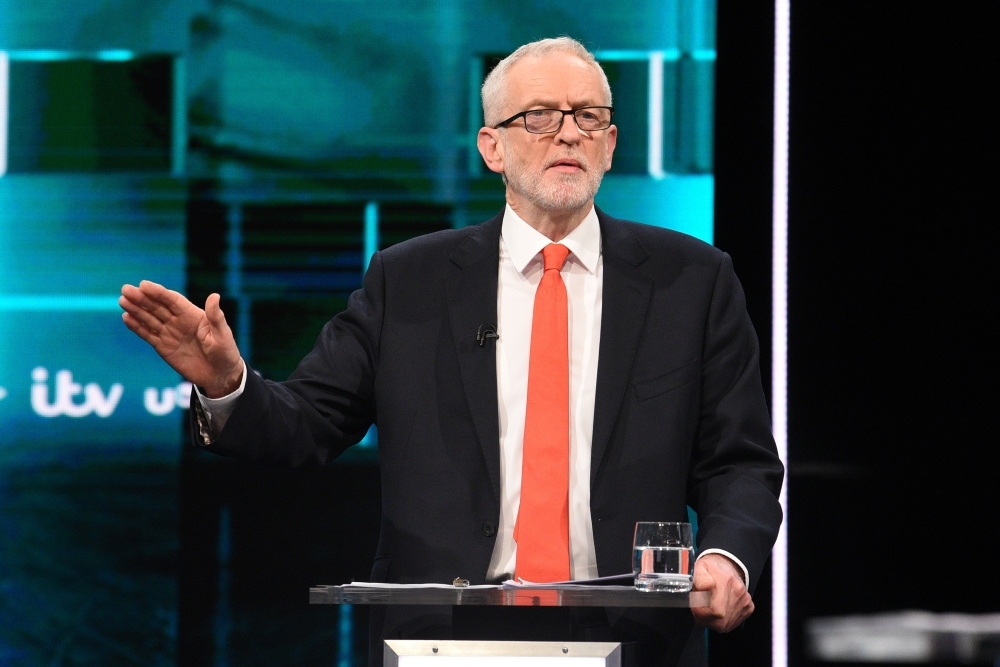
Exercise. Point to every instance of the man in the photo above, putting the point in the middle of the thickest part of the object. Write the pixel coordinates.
(540, 382)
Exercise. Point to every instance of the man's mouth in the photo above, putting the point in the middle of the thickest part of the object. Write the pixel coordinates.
(566, 165)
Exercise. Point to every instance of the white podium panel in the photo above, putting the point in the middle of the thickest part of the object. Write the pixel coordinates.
(424, 653)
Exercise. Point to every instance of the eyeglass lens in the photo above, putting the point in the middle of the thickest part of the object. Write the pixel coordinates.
(549, 120)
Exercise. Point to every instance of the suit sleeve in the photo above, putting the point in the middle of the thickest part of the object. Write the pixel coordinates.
(326, 405)
(736, 474)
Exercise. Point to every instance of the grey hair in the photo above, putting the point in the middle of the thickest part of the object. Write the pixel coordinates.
(494, 89)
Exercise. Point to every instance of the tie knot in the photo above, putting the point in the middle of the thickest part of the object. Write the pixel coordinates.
(555, 256)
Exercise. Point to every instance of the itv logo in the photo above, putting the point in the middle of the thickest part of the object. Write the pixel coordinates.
(65, 398)
(68, 398)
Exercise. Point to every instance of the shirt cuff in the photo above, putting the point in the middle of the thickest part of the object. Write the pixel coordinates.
(746, 575)
(216, 411)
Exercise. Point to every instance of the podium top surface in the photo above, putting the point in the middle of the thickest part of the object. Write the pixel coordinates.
(557, 596)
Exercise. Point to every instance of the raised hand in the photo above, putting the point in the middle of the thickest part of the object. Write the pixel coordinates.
(730, 603)
(196, 343)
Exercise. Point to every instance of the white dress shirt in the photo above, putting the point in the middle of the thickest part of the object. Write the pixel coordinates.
(520, 271)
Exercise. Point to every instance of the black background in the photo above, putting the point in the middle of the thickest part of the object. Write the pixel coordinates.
(891, 299)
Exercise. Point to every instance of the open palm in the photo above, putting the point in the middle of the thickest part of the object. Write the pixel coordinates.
(196, 343)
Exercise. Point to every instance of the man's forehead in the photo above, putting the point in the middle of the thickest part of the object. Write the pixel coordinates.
(555, 75)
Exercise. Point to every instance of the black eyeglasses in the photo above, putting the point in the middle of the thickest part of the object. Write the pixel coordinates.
(546, 121)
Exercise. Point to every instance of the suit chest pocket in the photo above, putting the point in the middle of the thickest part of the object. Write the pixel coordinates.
(669, 381)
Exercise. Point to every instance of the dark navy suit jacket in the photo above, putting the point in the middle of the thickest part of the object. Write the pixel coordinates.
(680, 417)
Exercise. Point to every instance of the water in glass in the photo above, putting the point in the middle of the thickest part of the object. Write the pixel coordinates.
(663, 568)
(663, 556)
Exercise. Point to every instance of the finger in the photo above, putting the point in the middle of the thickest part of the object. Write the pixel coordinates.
(726, 620)
(731, 598)
(713, 611)
(739, 615)
(141, 315)
(133, 294)
(719, 608)
(173, 301)
(136, 327)
(703, 579)
(139, 299)
(164, 303)
(703, 615)
(214, 311)
(708, 620)
(715, 623)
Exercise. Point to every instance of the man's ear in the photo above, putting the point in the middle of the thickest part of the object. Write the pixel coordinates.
(612, 142)
(490, 147)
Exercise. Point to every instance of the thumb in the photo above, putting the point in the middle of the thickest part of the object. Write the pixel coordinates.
(214, 312)
(703, 579)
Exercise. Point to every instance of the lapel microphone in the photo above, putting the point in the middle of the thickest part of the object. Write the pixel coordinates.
(486, 331)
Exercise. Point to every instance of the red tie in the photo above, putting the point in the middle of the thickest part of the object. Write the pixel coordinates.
(542, 528)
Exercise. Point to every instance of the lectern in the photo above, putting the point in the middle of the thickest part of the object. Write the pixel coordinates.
(488, 652)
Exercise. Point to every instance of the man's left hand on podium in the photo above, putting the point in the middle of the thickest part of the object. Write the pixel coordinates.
(731, 603)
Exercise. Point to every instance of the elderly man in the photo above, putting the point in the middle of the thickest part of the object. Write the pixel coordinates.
(541, 382)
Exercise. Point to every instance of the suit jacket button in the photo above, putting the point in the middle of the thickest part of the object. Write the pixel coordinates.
(489, 530)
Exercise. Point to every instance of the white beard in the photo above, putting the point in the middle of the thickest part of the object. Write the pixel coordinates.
(553, 191)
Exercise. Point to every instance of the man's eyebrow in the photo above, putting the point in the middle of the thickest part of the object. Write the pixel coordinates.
(538, 102)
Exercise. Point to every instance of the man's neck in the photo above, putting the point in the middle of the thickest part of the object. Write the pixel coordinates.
(556, 224)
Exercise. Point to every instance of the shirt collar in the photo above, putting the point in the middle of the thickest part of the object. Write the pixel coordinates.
(524, 242)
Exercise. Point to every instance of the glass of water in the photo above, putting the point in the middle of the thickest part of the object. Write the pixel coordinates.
(663, 556)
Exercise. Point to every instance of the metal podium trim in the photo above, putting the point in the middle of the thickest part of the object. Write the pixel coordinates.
(611, 652)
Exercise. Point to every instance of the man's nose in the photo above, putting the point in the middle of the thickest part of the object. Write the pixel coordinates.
(569, 132)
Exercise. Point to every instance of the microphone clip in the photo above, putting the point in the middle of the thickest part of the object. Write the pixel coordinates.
(486, 331)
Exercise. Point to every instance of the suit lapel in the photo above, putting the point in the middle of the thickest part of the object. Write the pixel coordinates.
(472, 302)
(626, 297)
